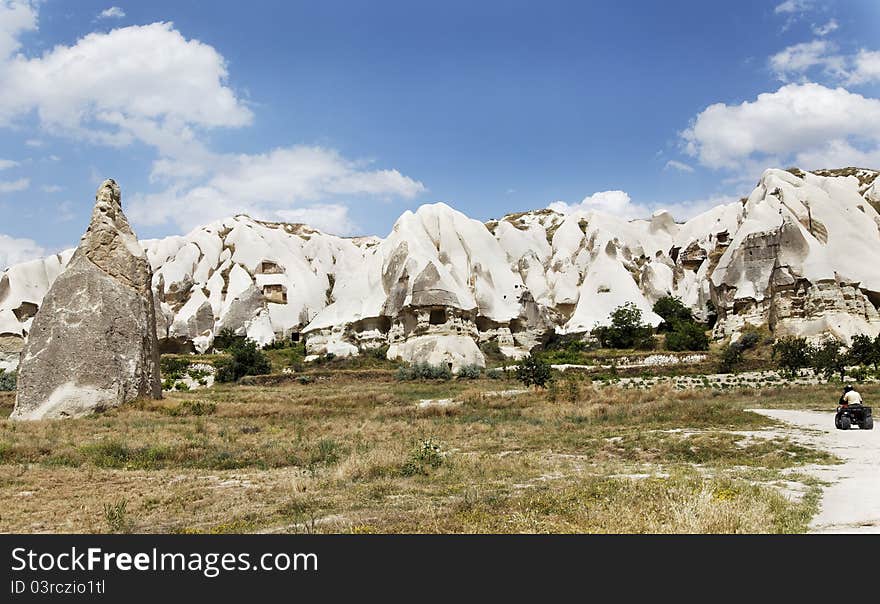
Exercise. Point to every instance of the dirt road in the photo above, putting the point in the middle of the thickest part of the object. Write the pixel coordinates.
(851, 503)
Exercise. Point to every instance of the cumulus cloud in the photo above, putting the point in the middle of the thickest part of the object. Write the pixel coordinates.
(13, 251)
(5, 164)
(616, 203)
(289, 184)
(796, 119)
(11, 186)
(114, 12)
(150, 84)
(673, 164)
(146, 83)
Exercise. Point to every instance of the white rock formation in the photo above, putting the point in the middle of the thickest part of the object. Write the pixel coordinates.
(800, 254)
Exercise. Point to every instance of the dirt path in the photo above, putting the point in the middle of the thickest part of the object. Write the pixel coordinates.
(851, 503)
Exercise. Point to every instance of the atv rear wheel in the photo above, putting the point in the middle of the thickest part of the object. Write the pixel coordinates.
(868, 424)
(845, 423)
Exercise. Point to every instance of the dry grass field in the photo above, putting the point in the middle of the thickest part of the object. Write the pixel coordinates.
(352, 452)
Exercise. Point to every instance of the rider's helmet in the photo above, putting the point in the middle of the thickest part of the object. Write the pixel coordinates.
(848, 388)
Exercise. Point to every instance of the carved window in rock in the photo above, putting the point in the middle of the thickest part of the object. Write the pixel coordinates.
(267, 267)
(437, 316)
(275, 293)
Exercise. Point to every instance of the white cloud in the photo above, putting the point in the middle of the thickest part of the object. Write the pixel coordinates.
(16, 17)
(5, 164)
(866, 67)
(796, 60)
(678, 165)
(114, 12)
(616, 203)
(13, 251)
(145, 83)
(796, 119)
(34, 142)
(150, 84)
(793, 6)
(824, 30)
(51, 188)
(291, 183)
(11, 186)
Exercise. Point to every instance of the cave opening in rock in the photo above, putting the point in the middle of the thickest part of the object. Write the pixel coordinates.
(437, 316)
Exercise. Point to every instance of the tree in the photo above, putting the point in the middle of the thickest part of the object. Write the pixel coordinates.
(626, 329)
(532, 371)
(673, 311)
(864, 350)
(792, 354)
(829, 358)
(687, 335)
(244, 359)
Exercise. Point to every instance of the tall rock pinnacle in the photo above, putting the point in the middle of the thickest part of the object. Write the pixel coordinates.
(93, 343)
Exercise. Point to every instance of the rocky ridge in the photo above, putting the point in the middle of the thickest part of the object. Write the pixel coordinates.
(799, 254)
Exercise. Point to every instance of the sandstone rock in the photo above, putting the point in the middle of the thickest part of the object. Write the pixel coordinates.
(93, 345)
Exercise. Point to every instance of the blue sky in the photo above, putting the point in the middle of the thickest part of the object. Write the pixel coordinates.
(344, 114)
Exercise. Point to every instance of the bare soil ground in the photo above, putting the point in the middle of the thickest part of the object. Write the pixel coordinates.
(851, 501)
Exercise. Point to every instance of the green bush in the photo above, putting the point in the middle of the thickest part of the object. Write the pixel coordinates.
(425, 456)
(626, 329)
(226, 339)
(424, 371)
(672, 310)
(731, 356)
(244, 359)
(533, 371)
(8, 380)
(173, 367)
(470, 372)
(495, 374)
(687, 335)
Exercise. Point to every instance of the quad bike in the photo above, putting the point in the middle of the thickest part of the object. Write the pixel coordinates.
(847, 415)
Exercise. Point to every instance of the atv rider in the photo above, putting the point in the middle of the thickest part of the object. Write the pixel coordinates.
(850, 396)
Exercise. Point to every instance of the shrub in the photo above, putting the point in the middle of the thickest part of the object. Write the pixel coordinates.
(731, 356)
(470, 372)
(424, 371)
(672, 310)
(172, 367)
(245, 359)
(687, 335)
(626, 329)
(495, 374)
(748, 340)
(425, 456)
(533, 371)
(792, 354)
(8, 380)
(226, 339)
(116, 516)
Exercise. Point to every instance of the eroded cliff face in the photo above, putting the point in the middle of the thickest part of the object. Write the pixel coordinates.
(799, 254)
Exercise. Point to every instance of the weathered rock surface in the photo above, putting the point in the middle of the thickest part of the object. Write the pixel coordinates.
(801, 255)
(92, 345)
